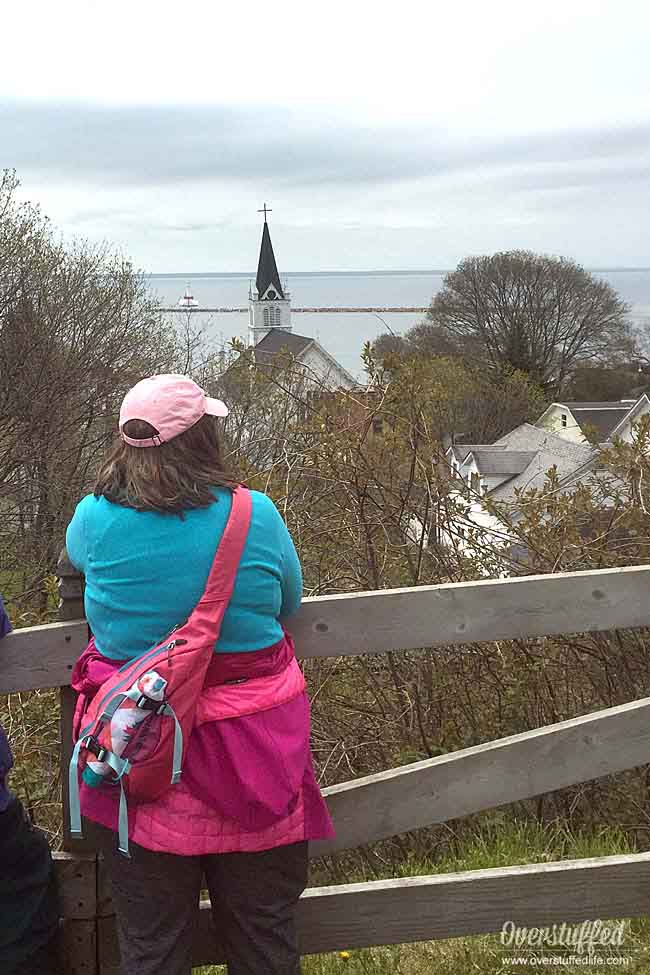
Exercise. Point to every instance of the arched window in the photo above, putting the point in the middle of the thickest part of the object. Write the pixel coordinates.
(275, 315)
(266, 316)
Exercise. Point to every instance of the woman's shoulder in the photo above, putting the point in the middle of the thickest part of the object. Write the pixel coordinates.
(263, 504)
(260, 499)
(266, 514)
(92, 504)
(95, 513)
(88, 504)
(97, 509)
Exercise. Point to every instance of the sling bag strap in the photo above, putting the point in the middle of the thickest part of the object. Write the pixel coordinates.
(226, 561)
(208, 612)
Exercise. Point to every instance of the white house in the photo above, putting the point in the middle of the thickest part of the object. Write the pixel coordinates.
(564, 437)
(594, 422)
(518, 461)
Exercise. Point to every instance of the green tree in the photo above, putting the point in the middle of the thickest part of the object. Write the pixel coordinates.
(595, 383)
(529, 312)
(425, 338)
(77, 328)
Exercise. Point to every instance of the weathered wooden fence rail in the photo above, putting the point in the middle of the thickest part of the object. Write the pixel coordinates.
(416, 795)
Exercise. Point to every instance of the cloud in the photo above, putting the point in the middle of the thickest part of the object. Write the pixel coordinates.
(177, 187)
(186, 228)
(116, 146)
(594, 175)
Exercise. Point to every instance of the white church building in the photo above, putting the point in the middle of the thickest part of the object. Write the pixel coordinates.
(270, 327)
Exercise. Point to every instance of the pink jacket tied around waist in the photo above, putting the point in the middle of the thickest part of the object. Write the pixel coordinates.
(248, 781)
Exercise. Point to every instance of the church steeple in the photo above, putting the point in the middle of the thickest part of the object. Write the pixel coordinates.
(267, 281)
(269, 305)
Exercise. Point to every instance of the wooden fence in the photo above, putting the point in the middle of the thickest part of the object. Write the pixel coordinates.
(431, 791)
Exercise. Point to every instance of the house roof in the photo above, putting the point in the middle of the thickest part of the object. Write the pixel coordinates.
(530, 450)
(549, 450)
(505, 462)
(528, 436)
(574, 462)
(601, 420)
(604, 416)
(279, 340)
(591, 468)
(617, 404)
(267, 271)
(642, 403)
(461, 450)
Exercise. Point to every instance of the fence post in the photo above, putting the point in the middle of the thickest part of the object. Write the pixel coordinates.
(77, 882)
(79, 935)
(71, 607)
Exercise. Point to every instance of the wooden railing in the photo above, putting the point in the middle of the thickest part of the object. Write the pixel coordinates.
(432, 791)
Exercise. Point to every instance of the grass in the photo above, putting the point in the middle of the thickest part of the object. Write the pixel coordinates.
(498, 842)
(28, 607)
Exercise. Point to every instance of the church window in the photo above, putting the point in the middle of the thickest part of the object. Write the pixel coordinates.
(275, 315)
(266, 316)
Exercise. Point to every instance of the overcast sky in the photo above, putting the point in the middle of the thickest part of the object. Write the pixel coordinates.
(404, 135)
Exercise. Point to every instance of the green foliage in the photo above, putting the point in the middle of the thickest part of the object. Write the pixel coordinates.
(595, 383)
(543, 316)
(538, 314)
(31, 721)
(77, 328)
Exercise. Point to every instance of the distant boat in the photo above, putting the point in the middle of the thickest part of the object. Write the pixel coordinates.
(188, 300)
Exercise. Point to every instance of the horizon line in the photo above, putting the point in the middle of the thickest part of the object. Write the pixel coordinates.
(410, 270)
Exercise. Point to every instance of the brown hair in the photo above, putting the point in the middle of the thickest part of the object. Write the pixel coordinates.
(173, 477)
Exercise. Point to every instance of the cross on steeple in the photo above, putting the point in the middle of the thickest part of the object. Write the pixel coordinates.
(265, 210)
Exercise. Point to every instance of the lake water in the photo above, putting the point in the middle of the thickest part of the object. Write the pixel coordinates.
(343, 334)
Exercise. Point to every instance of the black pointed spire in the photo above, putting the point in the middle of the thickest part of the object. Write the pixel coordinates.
(267, 271)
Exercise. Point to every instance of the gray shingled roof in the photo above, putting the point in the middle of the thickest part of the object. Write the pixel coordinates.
(603, 421)
(603, 416)
(550, 450)
(616, 404)
(527, 436)
(461, 450)
(279, 340)
(506, 462)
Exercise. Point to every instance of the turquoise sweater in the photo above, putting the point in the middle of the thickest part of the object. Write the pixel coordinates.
(145, 572)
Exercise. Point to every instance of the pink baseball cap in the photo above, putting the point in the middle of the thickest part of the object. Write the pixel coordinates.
(171, 403)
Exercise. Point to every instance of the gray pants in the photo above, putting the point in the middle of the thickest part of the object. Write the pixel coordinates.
(253, 898)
